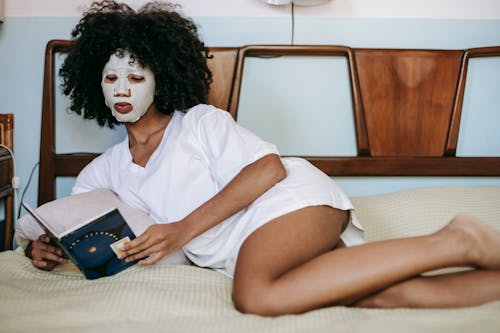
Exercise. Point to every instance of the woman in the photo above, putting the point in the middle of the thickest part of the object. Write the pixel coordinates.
(284, 230)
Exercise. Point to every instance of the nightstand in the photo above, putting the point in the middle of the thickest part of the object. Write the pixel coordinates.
(7, 194)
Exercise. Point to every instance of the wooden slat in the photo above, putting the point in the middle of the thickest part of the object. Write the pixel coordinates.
(7, 193)
(408, 166)
(46, 183)
(71, 164)
(223, 67)
(408, 98)
(7, 129)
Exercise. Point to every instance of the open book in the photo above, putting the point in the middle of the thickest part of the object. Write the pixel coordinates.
(92, 245)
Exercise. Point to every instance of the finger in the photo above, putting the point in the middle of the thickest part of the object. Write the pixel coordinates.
(144, 253)
(39, 263)
(44, 238)
(139, 248)
(44, 265)
(152, 259)
(53, 249)
(47, 256)
(138, 241)
(43, 251)
(39, 247)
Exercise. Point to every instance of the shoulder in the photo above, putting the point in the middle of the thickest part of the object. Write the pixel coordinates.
(203, 113)
(96, 173)
(112, 153)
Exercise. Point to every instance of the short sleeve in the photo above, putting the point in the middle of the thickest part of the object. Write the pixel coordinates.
(228, 146)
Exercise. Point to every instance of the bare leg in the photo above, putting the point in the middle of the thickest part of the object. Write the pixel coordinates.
(441, 291)
(287, 265)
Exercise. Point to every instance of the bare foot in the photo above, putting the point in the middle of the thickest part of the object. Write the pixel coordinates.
(480, 240)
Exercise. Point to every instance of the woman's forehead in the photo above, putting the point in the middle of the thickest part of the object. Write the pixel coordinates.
(122, 61)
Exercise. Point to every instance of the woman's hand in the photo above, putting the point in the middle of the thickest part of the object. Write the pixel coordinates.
(44, 254)
(156, 242)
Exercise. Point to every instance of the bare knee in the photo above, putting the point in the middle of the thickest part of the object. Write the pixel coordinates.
(255, 300)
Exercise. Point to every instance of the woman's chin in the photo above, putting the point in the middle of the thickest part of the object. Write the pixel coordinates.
(129, 117)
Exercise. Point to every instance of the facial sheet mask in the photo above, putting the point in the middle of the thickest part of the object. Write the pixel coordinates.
(128, 88)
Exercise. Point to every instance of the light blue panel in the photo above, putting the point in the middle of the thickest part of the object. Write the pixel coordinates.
(22, 48)
(398, 33)
(237, 31)
(479, 132)
(302, 104)
(64, 186)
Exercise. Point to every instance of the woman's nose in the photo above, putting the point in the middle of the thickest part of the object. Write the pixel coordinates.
(122, 88)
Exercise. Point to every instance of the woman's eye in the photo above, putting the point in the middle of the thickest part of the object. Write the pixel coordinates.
(110, 78)
(136, 78)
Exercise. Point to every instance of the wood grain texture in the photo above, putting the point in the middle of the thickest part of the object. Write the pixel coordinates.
(6, 174)
(408, 98)
(223, 66)
(7, 129)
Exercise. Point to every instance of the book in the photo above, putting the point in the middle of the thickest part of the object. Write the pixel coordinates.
(93, 246)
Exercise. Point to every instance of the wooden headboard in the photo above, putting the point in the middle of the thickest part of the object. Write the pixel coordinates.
(407, 107)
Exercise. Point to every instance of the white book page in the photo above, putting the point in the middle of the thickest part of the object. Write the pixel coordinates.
(78, 226)
(43, 224)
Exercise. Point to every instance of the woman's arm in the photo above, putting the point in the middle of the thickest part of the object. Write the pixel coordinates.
(250, 183)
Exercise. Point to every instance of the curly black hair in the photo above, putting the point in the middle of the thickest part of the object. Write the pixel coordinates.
(156, 36)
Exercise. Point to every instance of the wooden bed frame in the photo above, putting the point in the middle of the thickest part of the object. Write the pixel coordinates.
(407, 110)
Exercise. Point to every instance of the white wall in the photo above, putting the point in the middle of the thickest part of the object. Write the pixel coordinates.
(439, 9)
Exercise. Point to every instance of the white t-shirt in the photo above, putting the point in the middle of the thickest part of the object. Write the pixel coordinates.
(202, 151)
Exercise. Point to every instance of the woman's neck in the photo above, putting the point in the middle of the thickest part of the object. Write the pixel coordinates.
(150, 126)
(145, 135)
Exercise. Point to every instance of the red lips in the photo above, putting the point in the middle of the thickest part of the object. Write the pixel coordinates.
(123, 107)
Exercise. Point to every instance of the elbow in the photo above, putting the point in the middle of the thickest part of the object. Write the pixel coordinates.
(276, 169)
(280, 172)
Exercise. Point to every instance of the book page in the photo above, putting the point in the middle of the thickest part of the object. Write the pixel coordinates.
(43, 224)
(78, 226)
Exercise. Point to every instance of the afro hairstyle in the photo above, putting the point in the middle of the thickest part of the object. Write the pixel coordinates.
(156, 36)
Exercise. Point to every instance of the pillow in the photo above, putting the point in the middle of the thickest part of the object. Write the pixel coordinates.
(424, 210)
(66, 212)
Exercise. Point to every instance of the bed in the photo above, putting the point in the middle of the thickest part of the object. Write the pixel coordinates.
(184, 298)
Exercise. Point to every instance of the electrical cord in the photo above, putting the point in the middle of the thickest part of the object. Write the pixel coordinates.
(293, 24)
(26, 188)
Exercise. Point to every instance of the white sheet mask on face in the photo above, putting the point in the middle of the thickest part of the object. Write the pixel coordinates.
(128, 88)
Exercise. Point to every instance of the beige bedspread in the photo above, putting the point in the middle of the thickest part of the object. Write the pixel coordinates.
(187, 299)
(190, 299)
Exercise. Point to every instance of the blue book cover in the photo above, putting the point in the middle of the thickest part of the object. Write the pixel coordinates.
(92, 247)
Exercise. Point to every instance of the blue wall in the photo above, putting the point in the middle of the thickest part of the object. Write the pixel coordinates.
(23, 40)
